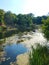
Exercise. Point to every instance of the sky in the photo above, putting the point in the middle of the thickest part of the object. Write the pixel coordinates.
(37, 7)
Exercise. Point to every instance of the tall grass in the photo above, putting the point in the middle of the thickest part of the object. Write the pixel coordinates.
(39, 56)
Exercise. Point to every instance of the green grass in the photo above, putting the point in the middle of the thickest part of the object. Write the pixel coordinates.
(39, 56)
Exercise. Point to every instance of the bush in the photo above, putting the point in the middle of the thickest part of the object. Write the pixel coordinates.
(39, 56)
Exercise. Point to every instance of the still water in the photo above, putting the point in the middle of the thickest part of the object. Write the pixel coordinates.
(9, 52)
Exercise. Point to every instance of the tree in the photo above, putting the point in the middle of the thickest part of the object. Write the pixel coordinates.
(25, 22)
(2, 12)
(10, 19)
(45, 28)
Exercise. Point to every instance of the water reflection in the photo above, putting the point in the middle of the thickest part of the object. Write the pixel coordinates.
(9, 52)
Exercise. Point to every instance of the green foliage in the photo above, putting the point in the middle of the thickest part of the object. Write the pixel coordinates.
(38, 20)
(39, 56)
(1, 35)
(2, 41)
(25, 22)
(10, 18)
(2, 12)
(0, 28)
(45, 28)
(21, 22)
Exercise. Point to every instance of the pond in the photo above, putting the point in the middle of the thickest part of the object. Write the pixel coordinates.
(9, 52)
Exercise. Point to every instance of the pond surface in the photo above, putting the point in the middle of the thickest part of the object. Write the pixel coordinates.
(9, 53)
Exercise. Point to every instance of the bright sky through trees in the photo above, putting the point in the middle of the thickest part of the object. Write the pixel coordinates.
(37, 7)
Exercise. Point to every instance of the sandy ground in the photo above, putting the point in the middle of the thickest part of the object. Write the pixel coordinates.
(22, 59)
(29, 39)
(36, 37)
